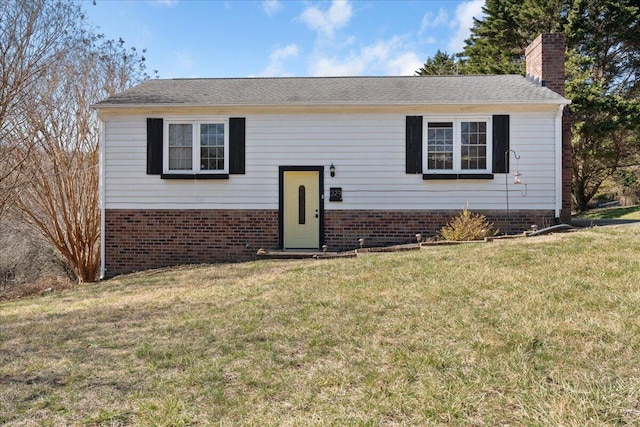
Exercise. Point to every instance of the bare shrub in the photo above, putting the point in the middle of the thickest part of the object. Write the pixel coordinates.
(468, 226)
(28, 263)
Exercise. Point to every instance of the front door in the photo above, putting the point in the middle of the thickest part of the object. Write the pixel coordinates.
(301, 209)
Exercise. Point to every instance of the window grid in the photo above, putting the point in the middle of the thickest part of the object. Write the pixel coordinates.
(196, 146)
(212, 146)
(457, 145)
(473, 144)
(440, 146)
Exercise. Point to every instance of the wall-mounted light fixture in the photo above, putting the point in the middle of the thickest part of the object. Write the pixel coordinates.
(332, 170)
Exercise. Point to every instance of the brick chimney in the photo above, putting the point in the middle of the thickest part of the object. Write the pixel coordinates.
(544, 58)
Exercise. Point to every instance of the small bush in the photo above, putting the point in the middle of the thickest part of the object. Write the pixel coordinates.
(28, 264)
(468, 226)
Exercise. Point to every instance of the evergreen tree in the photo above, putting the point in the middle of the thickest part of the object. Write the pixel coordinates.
(442, 64)
(603, 60)
(602, 69)
(495, 45)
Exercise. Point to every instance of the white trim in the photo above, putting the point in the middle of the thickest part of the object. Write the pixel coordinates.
(558, 145)
(409, 109)
(102, 195)
(457, 143)
(481, 103)
(195, 158)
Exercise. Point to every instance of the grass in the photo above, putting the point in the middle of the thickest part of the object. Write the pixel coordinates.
(539, 331)
(618, 212)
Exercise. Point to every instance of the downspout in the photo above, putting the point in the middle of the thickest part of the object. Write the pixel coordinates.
(101, 191)
(558, 180)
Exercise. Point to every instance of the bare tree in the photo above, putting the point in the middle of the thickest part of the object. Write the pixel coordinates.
(33, 35)
(61, 200)
(58, 160)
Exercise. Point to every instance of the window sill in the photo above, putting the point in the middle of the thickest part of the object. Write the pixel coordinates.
(455, 176)
(194, 176)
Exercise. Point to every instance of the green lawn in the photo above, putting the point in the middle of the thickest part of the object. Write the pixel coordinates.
(539, 331)
(618, 212)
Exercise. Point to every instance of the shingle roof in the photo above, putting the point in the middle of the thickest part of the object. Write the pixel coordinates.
(305, 91)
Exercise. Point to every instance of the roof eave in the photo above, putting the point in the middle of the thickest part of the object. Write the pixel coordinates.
(105, 106)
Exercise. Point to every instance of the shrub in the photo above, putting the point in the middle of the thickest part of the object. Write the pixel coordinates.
(28, 264)
(468, 226)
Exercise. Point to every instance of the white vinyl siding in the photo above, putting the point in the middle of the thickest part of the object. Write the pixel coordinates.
(368, 151)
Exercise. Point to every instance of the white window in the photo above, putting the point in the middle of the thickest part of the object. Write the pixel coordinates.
(458, 145)
(196, 146)
(440, 146)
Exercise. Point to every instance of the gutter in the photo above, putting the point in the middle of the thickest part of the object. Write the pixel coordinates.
(558, 160)
(102, 194)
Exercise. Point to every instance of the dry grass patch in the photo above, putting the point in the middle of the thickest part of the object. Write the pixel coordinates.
(41, 286)
(617, 212)
(542, 331)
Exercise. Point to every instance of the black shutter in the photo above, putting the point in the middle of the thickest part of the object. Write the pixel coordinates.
(236, 145)
(500, 143)
(414, 144)
(154, 146)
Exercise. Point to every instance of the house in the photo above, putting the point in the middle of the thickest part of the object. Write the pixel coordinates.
(203, 170)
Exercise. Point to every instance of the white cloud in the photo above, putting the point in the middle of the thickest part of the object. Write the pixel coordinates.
(285, 52)
(326, 67)
(386, 57)
(431, 40)
(271, 7)
(429, 21)
(326, 22)
(354, 64)
(167, 3)
(404, 64)
(465, 12)
(277, 59)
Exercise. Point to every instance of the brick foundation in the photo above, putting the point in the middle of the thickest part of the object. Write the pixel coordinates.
(143, 239)
(343, 228)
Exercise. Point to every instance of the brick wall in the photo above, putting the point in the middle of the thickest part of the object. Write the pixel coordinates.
(142, 239)
(343, 228)
(545, 61)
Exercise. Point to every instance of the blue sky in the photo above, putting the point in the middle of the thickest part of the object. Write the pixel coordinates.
(274, 38)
